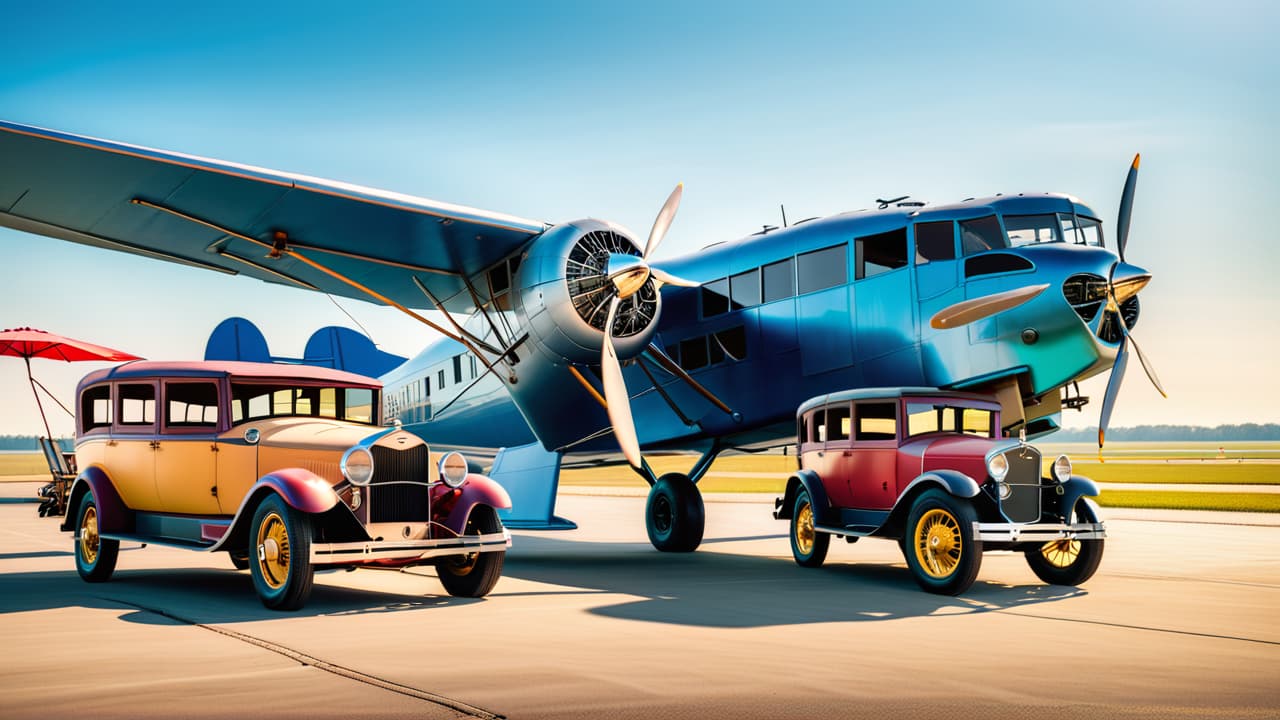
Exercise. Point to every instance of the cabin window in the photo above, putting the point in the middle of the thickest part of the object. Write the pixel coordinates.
(981, 234)
(881, 253)
(993, 263)
(137, 404)
(715, 298)
(1091, 230)
(693, 353)
(95, 408)
(876, 421)
(821, 269)
(191, 405)
(731, 342)
(1032, 229)
(457, 368)
(779, 280)
(744, 289)
(935, 241)
(440, 380)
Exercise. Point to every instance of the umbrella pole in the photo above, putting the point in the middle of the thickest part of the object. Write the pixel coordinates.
(32, 378)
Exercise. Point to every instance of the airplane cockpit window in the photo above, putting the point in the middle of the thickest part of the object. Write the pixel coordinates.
(1032, 229)
(935, 241)
(880, 253)
(981, 234)
(1091, 231)
(715, 298)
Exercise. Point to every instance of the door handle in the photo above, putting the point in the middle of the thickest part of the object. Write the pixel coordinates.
(155, 444)
(847, 453)
(821, 454)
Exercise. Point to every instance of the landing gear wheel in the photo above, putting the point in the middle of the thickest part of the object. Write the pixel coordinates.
(674, 515)
(1068, 562)
(474, 574)
(95, 556)
(940, 548)
(280, 556)
(808, 545)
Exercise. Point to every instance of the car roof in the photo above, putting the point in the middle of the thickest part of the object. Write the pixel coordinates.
(224, 368)
(892, 393)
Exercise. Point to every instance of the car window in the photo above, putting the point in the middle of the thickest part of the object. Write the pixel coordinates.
(925, 418)
(876, 421)
(191, 404)
(838, 422)
(137, 404)
(95, 408)
(254, 401)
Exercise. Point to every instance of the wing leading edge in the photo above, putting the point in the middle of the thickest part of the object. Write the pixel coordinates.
(227, 217)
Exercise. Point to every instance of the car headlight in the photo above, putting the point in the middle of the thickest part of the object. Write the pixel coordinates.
(998, 467)
(453, 469)
(1062, 468)
(357, 465)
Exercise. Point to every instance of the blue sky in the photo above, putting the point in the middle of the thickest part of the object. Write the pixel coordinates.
(555, 111)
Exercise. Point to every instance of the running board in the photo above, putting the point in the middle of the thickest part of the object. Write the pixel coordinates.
(849, 531)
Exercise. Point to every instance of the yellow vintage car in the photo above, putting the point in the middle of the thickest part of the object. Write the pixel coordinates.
(283, 467)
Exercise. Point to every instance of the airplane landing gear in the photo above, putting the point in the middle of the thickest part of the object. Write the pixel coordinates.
(674, 515)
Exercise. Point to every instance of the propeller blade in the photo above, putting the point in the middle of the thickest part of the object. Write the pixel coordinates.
(663, 221)
(1113, 389)
(618, 402)
(664, 278)
(1126, 206)
(1146, 366)
(967, 311)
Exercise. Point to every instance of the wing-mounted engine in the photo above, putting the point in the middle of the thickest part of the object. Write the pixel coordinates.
(564, 290)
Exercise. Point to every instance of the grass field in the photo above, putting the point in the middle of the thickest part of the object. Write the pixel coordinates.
(1156, 463)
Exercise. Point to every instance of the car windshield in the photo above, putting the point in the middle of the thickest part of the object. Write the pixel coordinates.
(254, 401)
(923, 418)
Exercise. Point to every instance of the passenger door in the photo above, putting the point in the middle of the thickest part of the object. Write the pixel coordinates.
(186, 460)
(872, 466)
(838, 455)
(130, 456)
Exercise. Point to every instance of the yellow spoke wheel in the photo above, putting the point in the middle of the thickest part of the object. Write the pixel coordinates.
(938, 544)
(1061, 553)
(808, 544)
(804, 529)
(273, 550)
(89, 535)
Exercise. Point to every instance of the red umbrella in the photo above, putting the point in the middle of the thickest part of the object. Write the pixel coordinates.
(27, 343)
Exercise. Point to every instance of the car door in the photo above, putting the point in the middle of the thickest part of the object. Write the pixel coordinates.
(838, 454)
(872, 466)
(185, 452)
(130, 456)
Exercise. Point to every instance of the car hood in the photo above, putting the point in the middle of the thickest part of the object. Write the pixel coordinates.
(959, 447)
(314, 433)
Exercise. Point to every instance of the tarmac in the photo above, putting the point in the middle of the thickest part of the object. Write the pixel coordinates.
(1181, 621)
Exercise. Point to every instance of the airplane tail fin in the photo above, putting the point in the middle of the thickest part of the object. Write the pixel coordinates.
(530, 474)
(333, 347)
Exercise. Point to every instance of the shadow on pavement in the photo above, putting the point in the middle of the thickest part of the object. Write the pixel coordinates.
(724, 590)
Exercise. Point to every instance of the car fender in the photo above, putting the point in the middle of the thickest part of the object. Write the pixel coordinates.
(1075, 488)
(952, 481)
(113, 515)
(476, 490)
(302, 489)
(812, 483)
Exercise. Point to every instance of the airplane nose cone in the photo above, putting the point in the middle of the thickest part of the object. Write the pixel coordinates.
(1127, 280)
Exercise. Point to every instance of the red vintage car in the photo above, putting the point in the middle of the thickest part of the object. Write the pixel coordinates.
(283, 467)
(929, 469)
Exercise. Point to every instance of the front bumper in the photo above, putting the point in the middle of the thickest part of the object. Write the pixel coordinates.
(372, 550)
(1037, 532)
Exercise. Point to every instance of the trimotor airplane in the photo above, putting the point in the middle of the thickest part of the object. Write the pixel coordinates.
(565, 343)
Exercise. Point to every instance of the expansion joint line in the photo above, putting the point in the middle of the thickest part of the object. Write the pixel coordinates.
(315, 662)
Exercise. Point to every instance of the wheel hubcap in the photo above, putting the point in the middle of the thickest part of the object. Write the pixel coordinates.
(273, 551)
(938, 543)
(89, 536)
(661, 514)
(1061, 553)
(804, 529)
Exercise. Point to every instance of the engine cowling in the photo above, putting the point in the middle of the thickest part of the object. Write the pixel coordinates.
(563, 293)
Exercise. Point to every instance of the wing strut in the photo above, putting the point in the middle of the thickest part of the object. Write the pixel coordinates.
(280, 247)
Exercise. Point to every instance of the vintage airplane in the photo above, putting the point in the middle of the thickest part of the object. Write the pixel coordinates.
(561, 337)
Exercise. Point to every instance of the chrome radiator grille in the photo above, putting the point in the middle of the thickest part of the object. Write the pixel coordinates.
(1023, 503)
(390, 500)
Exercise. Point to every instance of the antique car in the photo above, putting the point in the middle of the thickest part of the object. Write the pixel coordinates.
(283, 467)
(930, 469)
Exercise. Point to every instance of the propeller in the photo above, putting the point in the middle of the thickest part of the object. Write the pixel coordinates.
(1118, 292)
(628, 274)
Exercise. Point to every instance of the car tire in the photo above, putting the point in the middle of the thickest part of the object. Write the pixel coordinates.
(808, 545)
(95, 555)
(239, 560)
(940, 549)
(1068, 562)
(280, 554)
(473, 575)
(674, 514)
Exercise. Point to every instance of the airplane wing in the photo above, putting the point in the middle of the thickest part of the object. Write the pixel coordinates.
(236, 219)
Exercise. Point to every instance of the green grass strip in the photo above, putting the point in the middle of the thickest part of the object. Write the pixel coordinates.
(1171, 500)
